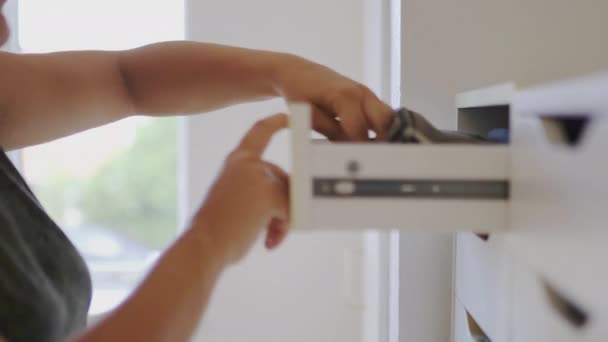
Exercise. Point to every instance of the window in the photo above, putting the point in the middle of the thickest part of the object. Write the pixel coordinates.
(113, 189)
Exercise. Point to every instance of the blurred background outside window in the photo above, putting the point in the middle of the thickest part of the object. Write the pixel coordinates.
(113, 189)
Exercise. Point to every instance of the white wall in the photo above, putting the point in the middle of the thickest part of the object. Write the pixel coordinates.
(454, 46)
(299, 293)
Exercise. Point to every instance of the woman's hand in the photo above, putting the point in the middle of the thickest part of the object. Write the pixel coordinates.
(250, 194)
(344, 109)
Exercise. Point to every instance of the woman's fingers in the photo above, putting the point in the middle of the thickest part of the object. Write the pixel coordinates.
(279, 225)
(352, 118)
(277, 231)
(258, 137)
(379, 115)
(358, 110)
(279, 191)
(279, 173)
(327, 125)
(255, 142)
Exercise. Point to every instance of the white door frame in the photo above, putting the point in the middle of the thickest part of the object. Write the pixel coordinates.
(394, 237)
(383, 74)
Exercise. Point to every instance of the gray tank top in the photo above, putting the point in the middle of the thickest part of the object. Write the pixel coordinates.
(45, 287)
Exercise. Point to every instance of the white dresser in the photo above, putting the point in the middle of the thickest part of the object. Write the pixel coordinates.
(530, 265)
(544, 278)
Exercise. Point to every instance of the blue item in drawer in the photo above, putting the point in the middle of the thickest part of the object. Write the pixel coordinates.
(499, 135)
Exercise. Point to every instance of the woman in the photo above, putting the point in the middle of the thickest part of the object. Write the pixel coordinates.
(45, 288)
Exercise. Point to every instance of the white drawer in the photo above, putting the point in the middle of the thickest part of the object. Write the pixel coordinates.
(559, 189)
(482, 281)
(545, 311)
(559, 163)
(465, 328)
(381, 185)
(576, 263)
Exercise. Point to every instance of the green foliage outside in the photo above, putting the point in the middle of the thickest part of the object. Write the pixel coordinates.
(133, 194)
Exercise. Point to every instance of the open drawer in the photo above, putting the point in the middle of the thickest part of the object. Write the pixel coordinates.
(383, 185)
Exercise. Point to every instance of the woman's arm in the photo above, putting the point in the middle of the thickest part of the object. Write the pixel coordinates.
(249, 195)
(169, 303)
(46, 96)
